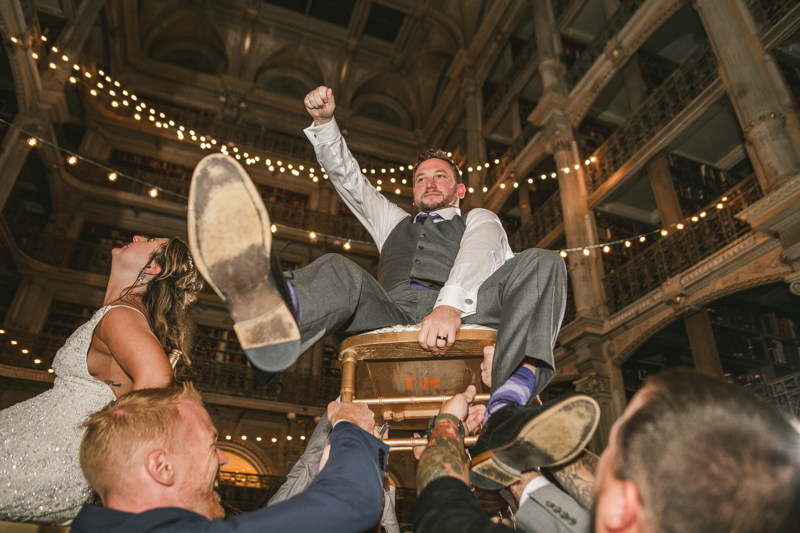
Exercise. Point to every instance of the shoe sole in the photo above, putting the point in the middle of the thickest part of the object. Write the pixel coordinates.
(230, 238)
(553, 438)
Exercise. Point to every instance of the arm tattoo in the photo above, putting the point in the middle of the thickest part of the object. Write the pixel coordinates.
(112, 384)
(577, 478)
(444, 456)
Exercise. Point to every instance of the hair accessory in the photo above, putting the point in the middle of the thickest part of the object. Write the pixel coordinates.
(191, 266)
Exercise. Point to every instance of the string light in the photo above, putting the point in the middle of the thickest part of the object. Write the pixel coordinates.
(32, 141)
(153, 192)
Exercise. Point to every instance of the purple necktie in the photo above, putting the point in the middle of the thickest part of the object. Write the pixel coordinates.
(422, 217)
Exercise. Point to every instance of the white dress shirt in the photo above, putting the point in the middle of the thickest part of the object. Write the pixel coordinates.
(484, 245)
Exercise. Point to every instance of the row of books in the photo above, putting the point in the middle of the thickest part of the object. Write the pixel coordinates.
(760, 323)
(757, 349)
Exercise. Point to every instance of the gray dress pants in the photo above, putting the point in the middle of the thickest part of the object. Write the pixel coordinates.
(524, 300)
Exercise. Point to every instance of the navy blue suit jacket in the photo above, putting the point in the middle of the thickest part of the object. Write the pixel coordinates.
(344, 498)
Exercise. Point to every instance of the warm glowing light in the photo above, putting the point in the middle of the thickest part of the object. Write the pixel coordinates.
(13, 39)
(606, 249)
(72, 79)
(469, 169)
(274, 439)
(695, 219)
(14, 342)
(577, 167)
(76, 67)
(112, 176)
(288, 437)
(592, 159)
(397, 191)
(227, 437)
(485, 189)
(87, 74)
(679, 226)
(586, 162)
(37, 361)
(719, 206)
(347, 245)
(53, 66)
(116, 104)
(585, 251)
(627, 244)
(378, 188)
(44, 38)
(72, 160)
(302, 437)
(54, 49)
(566, 171)
(34, 55)
(724, 198)
(496, 161)
(137, 116)
(312, 235)
(64, 58)
(50, 370)
(93, 92)
(642, 238)
(703, 214)
(563, 254)
(553, 175)
(516, 184)
(471, 189)
(664, 233)
(258, 439)
(153, 192)
(24, 351)
(244, 437)
(32, 141)
(502, 185)
(273, 228)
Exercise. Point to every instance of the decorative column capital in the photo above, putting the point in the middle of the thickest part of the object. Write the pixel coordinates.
(594, 385)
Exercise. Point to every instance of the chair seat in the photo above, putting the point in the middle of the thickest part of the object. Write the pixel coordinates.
(402, 383)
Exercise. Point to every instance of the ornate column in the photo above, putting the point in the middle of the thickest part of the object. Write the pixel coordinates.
(585, 270)
(476, 148)
(29, 308)
(669, 207)
(760, 102)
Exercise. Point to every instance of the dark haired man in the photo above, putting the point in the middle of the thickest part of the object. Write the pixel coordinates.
(438, 269)
(690, 454)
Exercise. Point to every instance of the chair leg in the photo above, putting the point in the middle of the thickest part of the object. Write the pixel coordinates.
(349, 363)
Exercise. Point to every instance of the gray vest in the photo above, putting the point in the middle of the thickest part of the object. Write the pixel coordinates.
(423, 254)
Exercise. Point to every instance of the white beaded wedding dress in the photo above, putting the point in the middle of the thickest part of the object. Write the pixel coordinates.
(40, 476)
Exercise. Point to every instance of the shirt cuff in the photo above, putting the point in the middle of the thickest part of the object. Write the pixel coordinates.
(325, 134)
(457, 297)
(535, 484)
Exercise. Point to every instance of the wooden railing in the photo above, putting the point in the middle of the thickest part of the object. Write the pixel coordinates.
(682, 249)
(246, 492)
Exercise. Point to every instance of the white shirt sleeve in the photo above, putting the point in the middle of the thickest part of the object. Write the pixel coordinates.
(484, 249)
(378, 215)
(535, 484)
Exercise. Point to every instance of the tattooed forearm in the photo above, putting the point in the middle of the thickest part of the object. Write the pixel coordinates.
(444, 456)
(577, 478)
(112, 384)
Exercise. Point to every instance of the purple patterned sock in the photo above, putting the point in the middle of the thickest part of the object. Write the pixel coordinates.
(517, 389)
(295, 301)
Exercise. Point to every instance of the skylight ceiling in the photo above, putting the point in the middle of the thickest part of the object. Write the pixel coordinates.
(334, 11)
(384, 22)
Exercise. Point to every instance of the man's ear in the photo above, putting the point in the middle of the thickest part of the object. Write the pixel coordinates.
(159, 467)
(620, 507)
(462, 190)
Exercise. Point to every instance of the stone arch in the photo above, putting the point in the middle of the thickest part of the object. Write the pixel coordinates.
(383, 99)
(621, 353)
(187, 38)
(291, 71)
(246, 454)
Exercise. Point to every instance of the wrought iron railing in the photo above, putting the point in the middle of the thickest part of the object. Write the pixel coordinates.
(695, 74)
(246, 492)
(612, 26)
(517, 67)
(233, 379)
(544, 220)
(571, 312)
(290, 215)
(783, 392)
(496, 172)
(767, 13)
(23, 350)
(682, 249)
(54, 250)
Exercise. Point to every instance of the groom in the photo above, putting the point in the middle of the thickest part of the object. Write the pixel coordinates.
(438, 269)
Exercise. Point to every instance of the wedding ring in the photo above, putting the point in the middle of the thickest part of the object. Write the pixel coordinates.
(441, 338)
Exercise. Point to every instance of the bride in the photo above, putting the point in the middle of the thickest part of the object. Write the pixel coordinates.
(123, 347)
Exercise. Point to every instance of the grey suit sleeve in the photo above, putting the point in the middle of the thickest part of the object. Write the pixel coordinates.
(551, 510)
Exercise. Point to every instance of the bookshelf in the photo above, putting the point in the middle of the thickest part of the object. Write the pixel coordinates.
(219, 345)
(65, 317)
(757, 333)
(696, 184)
